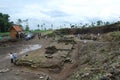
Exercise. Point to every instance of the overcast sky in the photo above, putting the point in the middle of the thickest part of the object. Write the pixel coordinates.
(60, 12)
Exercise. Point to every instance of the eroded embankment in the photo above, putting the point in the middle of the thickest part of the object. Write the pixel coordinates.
(98, 61)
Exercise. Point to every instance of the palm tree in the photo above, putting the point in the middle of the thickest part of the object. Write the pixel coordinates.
(51, 26)
(19, 21)
(38, 26)
(41, 27)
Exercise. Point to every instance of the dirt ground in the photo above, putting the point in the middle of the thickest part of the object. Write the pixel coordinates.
(81, 56)
(10, 71)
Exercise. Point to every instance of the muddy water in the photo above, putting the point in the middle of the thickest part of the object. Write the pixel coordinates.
(30, 48)
(24, 50)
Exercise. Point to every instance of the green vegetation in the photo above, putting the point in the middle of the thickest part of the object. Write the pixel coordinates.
(95, 64)
(112, 36)
(5, 23)
(4, 34)
(44, 32)
(117, 33)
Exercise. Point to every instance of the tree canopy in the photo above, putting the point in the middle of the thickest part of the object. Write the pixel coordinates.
(5, 23)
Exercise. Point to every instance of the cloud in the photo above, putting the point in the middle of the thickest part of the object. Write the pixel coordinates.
(61, 11)
(55, 13)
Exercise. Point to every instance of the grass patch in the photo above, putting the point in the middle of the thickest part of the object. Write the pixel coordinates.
(43, 31)
(112, 36)
(4, 34)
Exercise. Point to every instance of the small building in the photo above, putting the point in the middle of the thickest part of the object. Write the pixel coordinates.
(14, 31)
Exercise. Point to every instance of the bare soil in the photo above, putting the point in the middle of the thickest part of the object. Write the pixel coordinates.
(88, 58)
(10, 71)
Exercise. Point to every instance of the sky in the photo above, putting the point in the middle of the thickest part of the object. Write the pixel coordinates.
(60, 12)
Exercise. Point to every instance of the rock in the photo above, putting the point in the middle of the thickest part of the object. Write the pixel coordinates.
(96, 70)
(41, 77)
(16, 73)
(4, 70)
(108, 74)
(85, 42)
(68, 59)
(77, 76)
(117, 66)
(30, 60)
(33, 66)
(105, 66)
(47, 77)
(48, 56)
(55, 70)
(104, 78)
(85, 75)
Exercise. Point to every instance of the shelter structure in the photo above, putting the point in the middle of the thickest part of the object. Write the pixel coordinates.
(16, 32)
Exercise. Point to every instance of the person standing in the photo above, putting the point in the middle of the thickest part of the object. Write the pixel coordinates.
(39, 35)
(11, 57)
(14, 57)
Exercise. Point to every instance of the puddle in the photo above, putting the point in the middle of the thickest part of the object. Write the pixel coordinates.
(25, 49)
(30, 48)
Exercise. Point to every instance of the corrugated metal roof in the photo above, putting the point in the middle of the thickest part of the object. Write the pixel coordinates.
(17, 28)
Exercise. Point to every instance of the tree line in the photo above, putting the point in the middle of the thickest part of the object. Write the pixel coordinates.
(5, 23)
(91, 30)
(92, 24)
